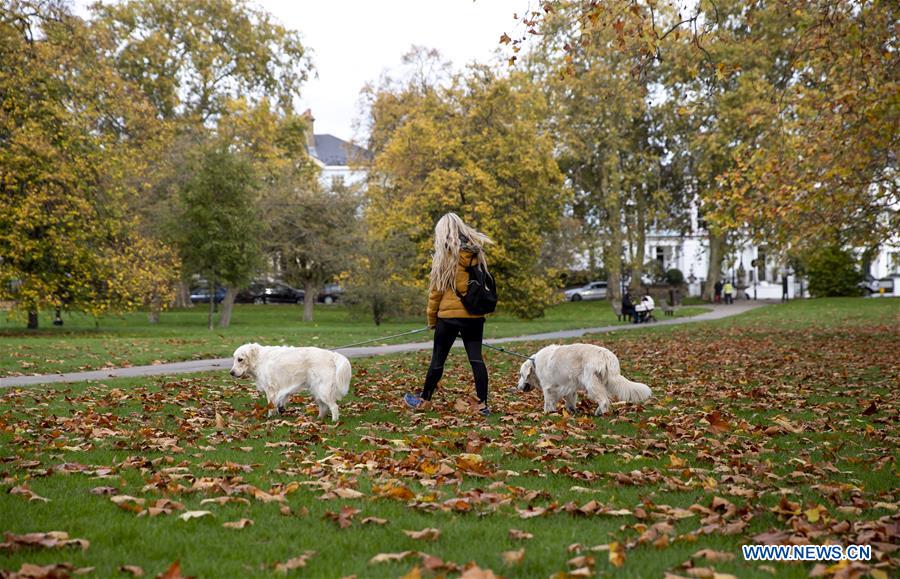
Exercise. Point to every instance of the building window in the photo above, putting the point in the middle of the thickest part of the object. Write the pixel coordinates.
(661, 257)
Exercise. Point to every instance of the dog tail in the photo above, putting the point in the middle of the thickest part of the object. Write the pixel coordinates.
(342, 372)
(627, 390)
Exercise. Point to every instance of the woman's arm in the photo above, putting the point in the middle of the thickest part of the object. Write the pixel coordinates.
(434, 304)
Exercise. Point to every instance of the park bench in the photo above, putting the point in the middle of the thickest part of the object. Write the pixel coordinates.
(668, 309)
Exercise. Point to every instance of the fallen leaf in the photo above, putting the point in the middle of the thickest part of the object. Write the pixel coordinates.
(428, 534)
(173, 572)
(188, 515)
(616, 554)
(295, 563)
(133, 569)
(713, 555)
(388, 557)
(513, 557)
(516, 534)
(240, 524)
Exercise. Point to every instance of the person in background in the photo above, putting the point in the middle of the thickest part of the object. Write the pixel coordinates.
(646, 307)
(717, 288)
(728, 290)
(628, 308)
(456, 247)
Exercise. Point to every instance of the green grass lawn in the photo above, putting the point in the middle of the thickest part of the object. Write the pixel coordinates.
(781, 424)
(183, 334)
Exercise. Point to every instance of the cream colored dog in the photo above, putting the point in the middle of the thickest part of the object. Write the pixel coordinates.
(280, 371)
(562, 371)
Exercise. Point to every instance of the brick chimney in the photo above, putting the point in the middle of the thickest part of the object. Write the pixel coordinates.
(310, 130)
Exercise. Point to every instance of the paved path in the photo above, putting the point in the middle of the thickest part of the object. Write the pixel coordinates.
(718, 312)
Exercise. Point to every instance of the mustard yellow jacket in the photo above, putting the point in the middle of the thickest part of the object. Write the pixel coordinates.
(446, 304)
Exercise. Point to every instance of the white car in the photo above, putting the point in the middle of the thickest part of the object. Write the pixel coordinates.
(596, 290)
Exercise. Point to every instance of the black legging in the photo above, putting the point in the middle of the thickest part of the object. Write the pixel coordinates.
(472, 330)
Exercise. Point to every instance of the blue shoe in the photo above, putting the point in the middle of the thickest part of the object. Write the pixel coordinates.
(484, 411)
(413, 401)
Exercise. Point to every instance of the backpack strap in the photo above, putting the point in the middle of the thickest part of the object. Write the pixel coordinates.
(474, 256)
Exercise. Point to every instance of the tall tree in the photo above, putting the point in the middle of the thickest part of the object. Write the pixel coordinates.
(194, 60)
(314, 234)
(607, 146)
(475, 146)
(72, 132)
(310, 229)
(218, 226)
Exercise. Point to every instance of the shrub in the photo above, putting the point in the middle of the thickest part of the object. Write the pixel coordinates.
(833, 271)
(674, 277)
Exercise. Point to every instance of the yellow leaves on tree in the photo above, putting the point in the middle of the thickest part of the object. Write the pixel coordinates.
(474, 146)
(72, 133)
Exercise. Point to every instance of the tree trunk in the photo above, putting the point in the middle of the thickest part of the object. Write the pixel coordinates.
(613, 255)
(183, 296)
(32, 320)
(227, 306)
(155, 308)
(639, 237)
(309, 299)
(716, 255)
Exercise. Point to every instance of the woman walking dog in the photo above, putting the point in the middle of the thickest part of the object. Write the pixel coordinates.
(456, 247)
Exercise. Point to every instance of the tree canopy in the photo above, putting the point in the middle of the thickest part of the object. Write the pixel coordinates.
(476, 146)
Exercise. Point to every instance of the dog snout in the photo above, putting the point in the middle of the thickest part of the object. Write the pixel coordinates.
(233, 373)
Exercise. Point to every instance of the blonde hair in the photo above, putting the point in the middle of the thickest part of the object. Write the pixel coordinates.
(450, 235)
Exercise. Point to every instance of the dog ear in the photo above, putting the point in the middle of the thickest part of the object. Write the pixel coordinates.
(252, 352)
(527, 370)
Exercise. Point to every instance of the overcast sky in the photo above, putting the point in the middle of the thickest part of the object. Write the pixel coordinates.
(354, 41)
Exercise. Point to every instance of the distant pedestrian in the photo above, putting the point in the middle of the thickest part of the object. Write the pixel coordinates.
(717, 288)
(456, 247)
(628, 310)
(728, 290)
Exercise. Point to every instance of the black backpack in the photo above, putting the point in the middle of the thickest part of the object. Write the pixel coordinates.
(481, 294)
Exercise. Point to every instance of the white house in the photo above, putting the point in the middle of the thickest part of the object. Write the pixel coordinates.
(334, 156)
(752, 266)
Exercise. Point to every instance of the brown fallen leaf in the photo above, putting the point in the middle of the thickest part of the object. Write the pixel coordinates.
(473, 571)
(295, 563)
(104, 491)
(54, 571)
(24, 491)
(414, 573)
(173, 572)
(133, 569)
(345, 493)
(428, 534)
(374, 521)
(713, 555)
(617, 554)
(51, 540)
(513, 557)
(240, 524)
(129, 503)
(516, 534)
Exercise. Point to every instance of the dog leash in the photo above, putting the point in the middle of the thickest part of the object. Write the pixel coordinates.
(505, 351)
(381, 338)
(420, 330)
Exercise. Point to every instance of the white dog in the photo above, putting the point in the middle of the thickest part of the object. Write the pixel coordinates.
(280, 371)
(562, 371)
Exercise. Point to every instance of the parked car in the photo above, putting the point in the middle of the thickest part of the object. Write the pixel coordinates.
(270, 293)
(596, 290)
(331, 293)
(870, 285)
(201, 295)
